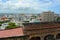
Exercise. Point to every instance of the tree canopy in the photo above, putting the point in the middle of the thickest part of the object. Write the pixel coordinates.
(11, 25)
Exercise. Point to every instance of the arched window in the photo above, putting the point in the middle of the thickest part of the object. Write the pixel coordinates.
(49, 37)
(35, 38)
(58, 36)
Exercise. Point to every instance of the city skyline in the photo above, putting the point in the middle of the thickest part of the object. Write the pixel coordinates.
(29, 6)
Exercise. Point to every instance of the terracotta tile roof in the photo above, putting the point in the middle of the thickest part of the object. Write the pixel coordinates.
(11, 33)
(41, 26)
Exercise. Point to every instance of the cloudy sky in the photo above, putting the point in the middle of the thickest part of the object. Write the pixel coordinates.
(29, 6)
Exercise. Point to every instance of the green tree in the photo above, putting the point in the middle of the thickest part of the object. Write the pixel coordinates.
(0, 24)
(11, 26)
(58, 18)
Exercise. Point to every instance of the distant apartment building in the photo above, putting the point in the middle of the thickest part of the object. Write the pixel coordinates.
(19, 18)
(48, 16)
(24, 18)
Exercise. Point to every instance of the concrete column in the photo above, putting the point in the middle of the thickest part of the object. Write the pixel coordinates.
(42, 38)
(55, 36)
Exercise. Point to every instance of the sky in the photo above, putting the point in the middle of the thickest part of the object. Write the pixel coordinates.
(29, 6)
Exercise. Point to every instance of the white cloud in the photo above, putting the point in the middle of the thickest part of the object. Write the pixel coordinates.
(28, 5)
